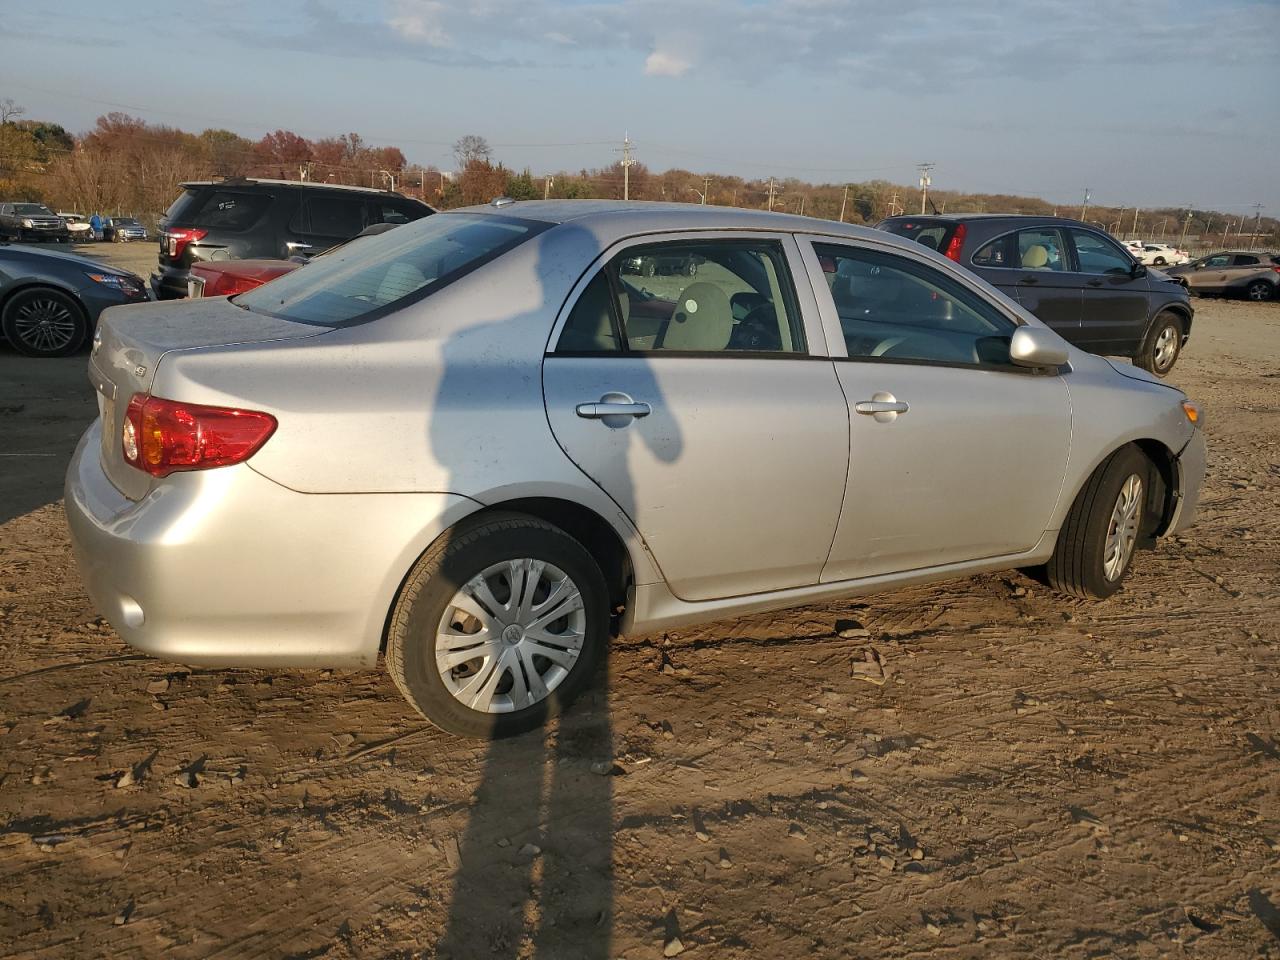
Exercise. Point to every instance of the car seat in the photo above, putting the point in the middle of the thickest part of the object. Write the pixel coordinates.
(1035, 257)
(702, 320)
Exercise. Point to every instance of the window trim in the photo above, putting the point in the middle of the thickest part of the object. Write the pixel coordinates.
(792, 266)
(838, 349)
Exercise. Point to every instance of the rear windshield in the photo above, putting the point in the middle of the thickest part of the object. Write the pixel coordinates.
(933, 234)
(372, 275)
(225, 210)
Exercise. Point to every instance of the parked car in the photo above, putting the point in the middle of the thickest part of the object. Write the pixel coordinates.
(31, 221)
(50, 301)
(78, 229)
(1075, 278)
(468, 441)
(1160, 254)
(1248, 273)
(123, 229)
(662, 266)
(250, 219)
(223, 278)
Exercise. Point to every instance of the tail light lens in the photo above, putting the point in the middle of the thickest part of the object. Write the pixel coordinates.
(956, 244)
(226, 285)
(176, 240)
(162, 436)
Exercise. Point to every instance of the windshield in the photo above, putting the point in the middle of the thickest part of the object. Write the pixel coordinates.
(30, 208)
(375, 273)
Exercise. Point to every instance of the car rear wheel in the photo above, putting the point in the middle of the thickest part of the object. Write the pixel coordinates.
(1102, 529)
(1259, 291)
(40, 322)
(1159, 261)
(1163, 344)
(499, 625)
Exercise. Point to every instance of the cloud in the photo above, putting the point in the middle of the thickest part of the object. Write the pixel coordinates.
(420, 21)
(661, 64)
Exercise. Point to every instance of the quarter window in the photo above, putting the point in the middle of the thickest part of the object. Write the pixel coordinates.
(895, 309)
(1098, 255)
(995, 254)
(688, 297)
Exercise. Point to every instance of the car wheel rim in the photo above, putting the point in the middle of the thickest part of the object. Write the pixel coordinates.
(1122, 531)
(1258, 292)
(44, 324)
(510, 636)
(1166, 347)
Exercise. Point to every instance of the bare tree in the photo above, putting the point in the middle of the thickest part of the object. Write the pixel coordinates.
(10, 111)
(471, 148)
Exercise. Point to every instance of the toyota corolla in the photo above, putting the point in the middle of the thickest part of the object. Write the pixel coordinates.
(478, 447)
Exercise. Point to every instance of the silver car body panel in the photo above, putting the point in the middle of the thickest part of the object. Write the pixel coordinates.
(390, 432)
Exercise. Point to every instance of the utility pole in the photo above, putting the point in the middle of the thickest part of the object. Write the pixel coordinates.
(706, 189)
(627, 161)
(1182, 244)
(546, 187)
(1085, 206)
(802, 205)
(1119, 221)
(843, 202)
(1257, 223)
(893, 204)
(772, 192)
(925, 180)
(1135, 223)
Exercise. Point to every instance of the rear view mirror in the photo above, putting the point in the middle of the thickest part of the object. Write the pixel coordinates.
(1138, 270)
(1037, 347)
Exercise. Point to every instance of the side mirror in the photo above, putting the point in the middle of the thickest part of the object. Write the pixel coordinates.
(1138, 270)
(1037, 347)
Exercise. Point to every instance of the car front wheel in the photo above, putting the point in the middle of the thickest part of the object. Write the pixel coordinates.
(498, 626)
(40, 322)
(1259, 291)
(1163, 344)
(1101, 531)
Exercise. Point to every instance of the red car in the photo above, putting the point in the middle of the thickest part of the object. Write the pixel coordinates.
(223, 278)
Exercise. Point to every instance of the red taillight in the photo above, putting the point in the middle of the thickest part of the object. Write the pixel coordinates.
(164, 436)
(226, 285)
(176, 239)
(956, 244)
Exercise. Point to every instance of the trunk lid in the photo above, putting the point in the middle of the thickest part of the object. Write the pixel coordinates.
(132, 341)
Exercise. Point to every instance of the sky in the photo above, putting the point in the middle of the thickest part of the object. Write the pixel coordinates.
(1146, 102)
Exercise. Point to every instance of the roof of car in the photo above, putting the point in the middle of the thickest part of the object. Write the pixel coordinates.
(304, 184)
(643, 216)
(1037, 217)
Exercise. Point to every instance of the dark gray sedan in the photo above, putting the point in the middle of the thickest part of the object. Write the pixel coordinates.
(50, 301)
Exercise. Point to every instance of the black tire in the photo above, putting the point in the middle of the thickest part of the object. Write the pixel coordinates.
(64, 333)
(1259, 291)
(429, 591)
(1078, 565)
(1159, 261)
(1165, 335)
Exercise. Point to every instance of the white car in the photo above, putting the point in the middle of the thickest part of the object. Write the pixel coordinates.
(1135, 247)
(1160, 254)
(77, 226)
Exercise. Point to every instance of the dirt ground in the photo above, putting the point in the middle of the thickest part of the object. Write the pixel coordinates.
(1035, 778)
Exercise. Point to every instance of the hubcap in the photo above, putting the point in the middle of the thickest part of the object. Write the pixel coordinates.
(510, 636)
(1122, 531)
(44, 324)
(1166, 347)
(1258, 292)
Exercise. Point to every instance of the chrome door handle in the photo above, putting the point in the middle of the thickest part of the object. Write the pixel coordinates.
(295, 246)
(601, 409)
(871, 407)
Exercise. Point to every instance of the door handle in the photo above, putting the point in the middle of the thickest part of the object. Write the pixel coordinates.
(1095, 283)
(1029, 281)
(602, 408)
(872, 407)
(294, 246)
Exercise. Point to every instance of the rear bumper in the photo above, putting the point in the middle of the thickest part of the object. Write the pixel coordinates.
(169, 283)
(227, 568)
(1191, 470)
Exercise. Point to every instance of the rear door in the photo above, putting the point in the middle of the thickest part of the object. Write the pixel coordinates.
(1045, 281)
(706, 408)
(324, 220)
(1244, 267)
(969, 463)
(1116, 305)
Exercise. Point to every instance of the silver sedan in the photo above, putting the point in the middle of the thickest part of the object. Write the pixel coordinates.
(480, 446)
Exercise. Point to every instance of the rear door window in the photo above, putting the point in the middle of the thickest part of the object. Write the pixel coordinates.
(997, 253)
(1245, 260)
(1042, 249)
(365, 280)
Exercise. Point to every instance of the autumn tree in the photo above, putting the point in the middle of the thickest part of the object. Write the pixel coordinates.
(470, 149)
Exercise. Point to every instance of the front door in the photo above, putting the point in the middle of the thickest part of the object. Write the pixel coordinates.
(955, 453)
(1116, 304)
(699, 399)
(1210, 274)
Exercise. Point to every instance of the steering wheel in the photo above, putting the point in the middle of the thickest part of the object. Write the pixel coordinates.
(758, 330)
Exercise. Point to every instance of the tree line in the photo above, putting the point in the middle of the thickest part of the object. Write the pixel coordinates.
(125, 165)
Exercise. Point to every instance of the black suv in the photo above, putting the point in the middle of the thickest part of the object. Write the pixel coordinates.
(1074, 277)
(238, 219)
